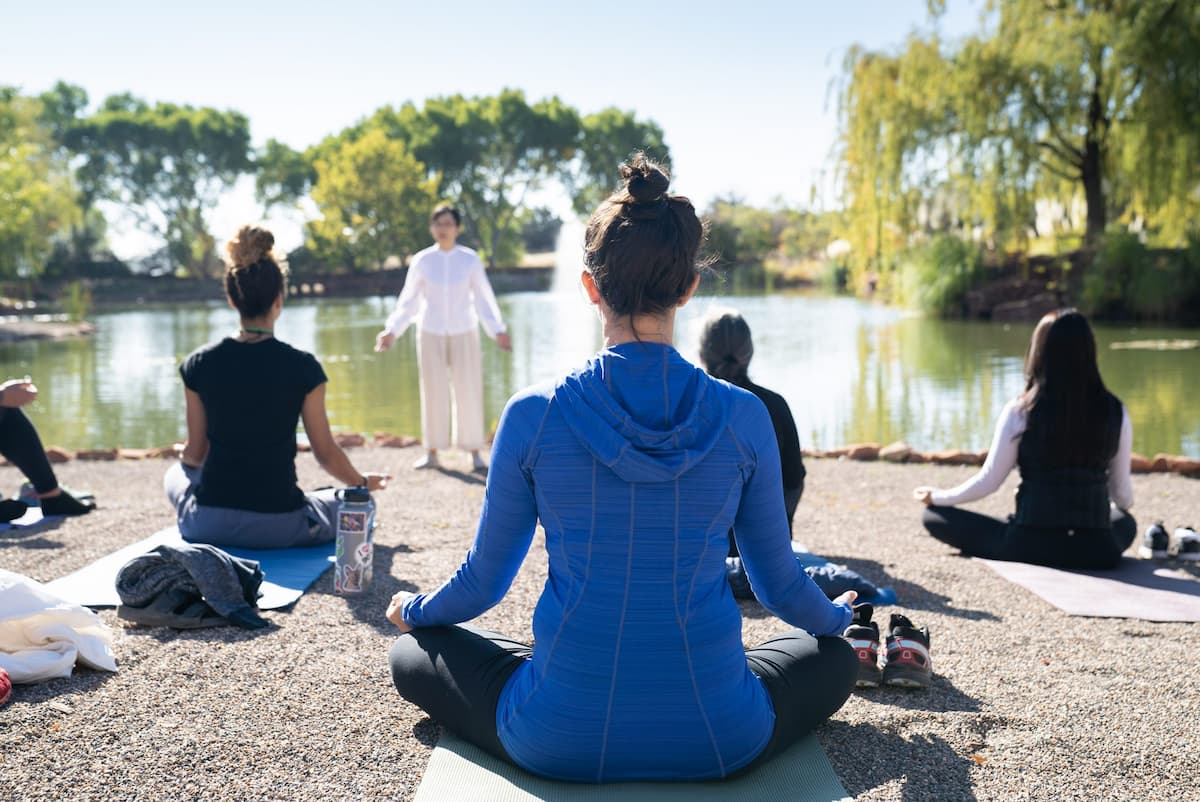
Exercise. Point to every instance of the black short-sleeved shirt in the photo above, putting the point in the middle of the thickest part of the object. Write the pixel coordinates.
(252, 395)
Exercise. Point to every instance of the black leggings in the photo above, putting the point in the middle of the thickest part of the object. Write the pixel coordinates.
(20, 445)
(457, 673)
(982, 535)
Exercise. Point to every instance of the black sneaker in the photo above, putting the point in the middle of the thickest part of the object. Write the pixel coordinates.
(906, 663)
(1187, 544)
(863, 637)
(1155, 543)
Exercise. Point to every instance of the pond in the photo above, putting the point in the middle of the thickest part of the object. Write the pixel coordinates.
(852, 371)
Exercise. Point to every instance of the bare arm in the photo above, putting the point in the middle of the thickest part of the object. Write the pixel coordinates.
(328, 453)
(196, 447)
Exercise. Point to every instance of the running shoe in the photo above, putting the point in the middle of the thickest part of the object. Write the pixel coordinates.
(1187, 543)
(1155, 543)
(906, 663)
(863, 637)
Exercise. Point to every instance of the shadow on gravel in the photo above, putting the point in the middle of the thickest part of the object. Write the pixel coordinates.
(940, 697)
(910, 595)
(31, 537)
(223, 634)
(866, 757)
(427, 732)
(371, 607)
(469, 478)
(82, 681)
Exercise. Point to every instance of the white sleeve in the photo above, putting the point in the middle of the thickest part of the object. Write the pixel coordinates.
(1120, 484)
(408, 305)
(1001, 459)
(485, 301)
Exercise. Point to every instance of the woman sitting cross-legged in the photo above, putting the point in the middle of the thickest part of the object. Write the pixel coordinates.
(637, 465)
(235, 484)
(1071, 439)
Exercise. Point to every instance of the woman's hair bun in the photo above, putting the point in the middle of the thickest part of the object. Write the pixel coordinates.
(249, 246)
(645, 181)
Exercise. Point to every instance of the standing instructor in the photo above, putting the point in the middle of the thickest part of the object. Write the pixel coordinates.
(448, 295)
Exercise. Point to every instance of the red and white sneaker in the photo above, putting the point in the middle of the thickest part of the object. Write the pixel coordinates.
(5, 686)
(906, 663)
(863, 637)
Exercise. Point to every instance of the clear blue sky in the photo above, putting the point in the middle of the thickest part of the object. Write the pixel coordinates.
(741, 89)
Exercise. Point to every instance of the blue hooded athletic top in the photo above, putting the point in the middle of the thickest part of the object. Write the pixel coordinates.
(636, 466)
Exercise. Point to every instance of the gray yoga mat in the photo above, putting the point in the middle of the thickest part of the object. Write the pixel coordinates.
(459, 770)
(1140, 589)
(287, 572)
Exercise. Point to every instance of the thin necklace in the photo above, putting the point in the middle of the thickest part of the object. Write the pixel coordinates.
(258, 331)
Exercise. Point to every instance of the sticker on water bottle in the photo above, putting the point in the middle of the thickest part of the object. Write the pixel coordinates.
(352, 521)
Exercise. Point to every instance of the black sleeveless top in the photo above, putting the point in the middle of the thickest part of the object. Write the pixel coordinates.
(1054, 494)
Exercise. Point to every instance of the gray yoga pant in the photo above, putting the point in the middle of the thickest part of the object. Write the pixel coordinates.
(221, 526)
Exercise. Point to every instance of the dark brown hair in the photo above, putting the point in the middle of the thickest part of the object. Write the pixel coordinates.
(641, 243)
(445, 208)
(254, 279)
(1064, 390)
(726, 347)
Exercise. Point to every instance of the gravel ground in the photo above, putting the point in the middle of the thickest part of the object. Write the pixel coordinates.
(1027, 702)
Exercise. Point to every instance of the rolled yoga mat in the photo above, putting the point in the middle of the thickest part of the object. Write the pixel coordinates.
(460, 770)
(1140, 589)
(288, 572)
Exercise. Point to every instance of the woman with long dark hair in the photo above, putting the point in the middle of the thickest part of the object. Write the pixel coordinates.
(1071, 439)
(637, 465)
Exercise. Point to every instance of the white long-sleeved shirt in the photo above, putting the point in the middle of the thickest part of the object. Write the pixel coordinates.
(1002, 458)
(446, 292)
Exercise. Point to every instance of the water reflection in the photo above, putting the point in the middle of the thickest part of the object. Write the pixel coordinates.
(851, 371)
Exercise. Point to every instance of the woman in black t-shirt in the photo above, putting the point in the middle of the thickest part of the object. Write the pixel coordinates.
(725, 351)
(236, 481)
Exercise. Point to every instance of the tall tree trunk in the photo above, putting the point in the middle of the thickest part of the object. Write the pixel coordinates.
(1092, 171)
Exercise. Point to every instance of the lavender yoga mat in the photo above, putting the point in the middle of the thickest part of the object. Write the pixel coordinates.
(1140, 589)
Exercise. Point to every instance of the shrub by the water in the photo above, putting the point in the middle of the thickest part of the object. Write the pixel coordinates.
(936, 276)
(1128, 281)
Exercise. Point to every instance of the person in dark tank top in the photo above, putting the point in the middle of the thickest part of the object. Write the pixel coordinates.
(235, 483)
(1071, 439)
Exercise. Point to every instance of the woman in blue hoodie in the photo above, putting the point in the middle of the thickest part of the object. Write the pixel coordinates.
(637, 466)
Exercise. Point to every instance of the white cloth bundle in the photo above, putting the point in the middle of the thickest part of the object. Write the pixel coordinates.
(42, 636)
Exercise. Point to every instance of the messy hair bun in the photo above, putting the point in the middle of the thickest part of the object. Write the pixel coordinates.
(641, 243)
(645, 181)
(254, 278)
(251, 244)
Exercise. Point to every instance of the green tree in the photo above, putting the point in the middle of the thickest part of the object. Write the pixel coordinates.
(607, 138)
(37, 198)
(168, 165)
(283, 175)
(63, 106)
(374, 198)
(1061, 100)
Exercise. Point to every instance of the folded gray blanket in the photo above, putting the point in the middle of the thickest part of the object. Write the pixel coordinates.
(189, 586)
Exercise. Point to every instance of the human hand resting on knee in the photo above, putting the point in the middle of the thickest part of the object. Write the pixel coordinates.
(395, 610)
(17, 392)
(924, 495)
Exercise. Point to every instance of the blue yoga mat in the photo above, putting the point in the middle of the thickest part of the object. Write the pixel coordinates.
(288, 572)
